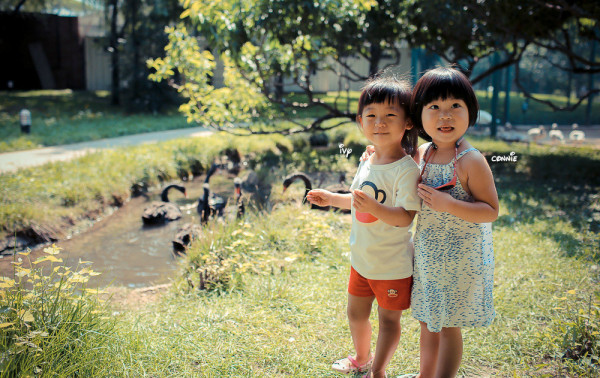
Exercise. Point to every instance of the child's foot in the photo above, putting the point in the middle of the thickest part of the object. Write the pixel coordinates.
(349, 365)
(407, 376)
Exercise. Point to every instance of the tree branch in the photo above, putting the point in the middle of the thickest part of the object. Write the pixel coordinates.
(18, 6)
(527, 94)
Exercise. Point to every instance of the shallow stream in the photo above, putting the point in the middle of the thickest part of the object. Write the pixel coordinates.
(126, 252)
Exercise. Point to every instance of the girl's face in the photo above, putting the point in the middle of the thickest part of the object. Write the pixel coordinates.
(445, 121)
(384, 123)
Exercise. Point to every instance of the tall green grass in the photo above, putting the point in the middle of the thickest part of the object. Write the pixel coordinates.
(64, 116)
(50, 323)
(279, 309)
(63, 191)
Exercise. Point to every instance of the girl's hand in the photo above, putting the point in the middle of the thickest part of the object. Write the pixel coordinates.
(319, 197)
(368, 152)
(363, 202)
(435, 199)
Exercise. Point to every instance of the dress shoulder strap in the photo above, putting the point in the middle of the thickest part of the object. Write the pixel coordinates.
(463, 153)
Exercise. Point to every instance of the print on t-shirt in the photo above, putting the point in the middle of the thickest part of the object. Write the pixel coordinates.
(371, 189)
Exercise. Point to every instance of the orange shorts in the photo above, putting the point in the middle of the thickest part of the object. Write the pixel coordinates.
(390, 294)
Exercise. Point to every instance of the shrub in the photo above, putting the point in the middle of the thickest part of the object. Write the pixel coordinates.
(51, 323)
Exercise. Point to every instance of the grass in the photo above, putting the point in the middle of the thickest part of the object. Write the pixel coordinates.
(274, 286)
(283, 312)
(50, 322)
(64, 116)
(60, 194)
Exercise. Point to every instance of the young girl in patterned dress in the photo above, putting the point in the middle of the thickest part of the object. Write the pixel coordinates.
(454, 256)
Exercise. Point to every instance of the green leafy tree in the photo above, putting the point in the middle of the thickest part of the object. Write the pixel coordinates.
(136, 32)
(272, 46)
(558, 33)
(570, 48)
(267, 45)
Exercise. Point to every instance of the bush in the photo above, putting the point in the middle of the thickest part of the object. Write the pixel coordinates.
(264, 244)
(51, 323)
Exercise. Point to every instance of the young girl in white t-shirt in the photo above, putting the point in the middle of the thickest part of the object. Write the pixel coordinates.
(383, 201)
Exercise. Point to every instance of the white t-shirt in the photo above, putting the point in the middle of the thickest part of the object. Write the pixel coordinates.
(379, 251)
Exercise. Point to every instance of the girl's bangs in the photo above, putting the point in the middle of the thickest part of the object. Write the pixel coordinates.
(447, 86)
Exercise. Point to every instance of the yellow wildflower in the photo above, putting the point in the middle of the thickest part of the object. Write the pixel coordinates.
(6, 282)
(53, 250)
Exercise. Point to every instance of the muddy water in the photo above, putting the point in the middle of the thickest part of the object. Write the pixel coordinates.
(126, 252)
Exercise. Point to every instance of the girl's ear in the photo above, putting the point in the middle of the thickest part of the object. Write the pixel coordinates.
(359, 121)
(409, 124)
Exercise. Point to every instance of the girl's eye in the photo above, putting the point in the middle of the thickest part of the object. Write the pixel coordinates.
(391, 115)
(456, 105)
(434, 107)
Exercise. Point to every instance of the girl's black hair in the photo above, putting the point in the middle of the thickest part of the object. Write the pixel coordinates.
(442, 83)
(389, 89)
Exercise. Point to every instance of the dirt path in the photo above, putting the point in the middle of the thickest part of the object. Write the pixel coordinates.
(122, 298)
(592, 135)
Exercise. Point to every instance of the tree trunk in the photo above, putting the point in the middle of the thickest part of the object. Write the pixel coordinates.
(135, 43)
(18, 7)
(569, 88)
(376, 52)
(114, 44)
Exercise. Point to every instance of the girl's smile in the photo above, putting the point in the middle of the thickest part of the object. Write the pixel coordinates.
(384, 123)
(445, 120)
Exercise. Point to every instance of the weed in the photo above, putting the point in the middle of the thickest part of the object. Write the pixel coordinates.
(50, 321)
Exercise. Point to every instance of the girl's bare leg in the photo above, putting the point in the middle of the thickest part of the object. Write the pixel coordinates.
(387, 340)
(429, 347)
(450, 352)
(441, 352)
(359, 310)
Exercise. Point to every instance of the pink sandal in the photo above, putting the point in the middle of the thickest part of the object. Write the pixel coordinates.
(349, 365)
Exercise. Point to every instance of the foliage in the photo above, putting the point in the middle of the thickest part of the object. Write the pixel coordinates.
(263, 45)
(50, 321)
(256, 245)
(237, 101)
(69, 190)
(274, 46)
(581, 333)
(142, 36)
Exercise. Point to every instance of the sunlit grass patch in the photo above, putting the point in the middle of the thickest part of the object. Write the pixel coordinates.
(261, 244)
(50, 322)
(286, 317)
(63, 191)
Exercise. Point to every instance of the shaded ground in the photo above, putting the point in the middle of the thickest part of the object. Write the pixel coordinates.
(122, 298)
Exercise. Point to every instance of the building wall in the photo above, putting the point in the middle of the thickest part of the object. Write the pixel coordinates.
(328, 80)
(97, 65)
(40, 51)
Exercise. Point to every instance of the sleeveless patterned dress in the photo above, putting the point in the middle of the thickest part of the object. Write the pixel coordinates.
(454, 262)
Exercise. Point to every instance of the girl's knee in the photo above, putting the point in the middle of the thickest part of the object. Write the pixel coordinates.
(359, 308)
(389, 319)
(358, 313)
